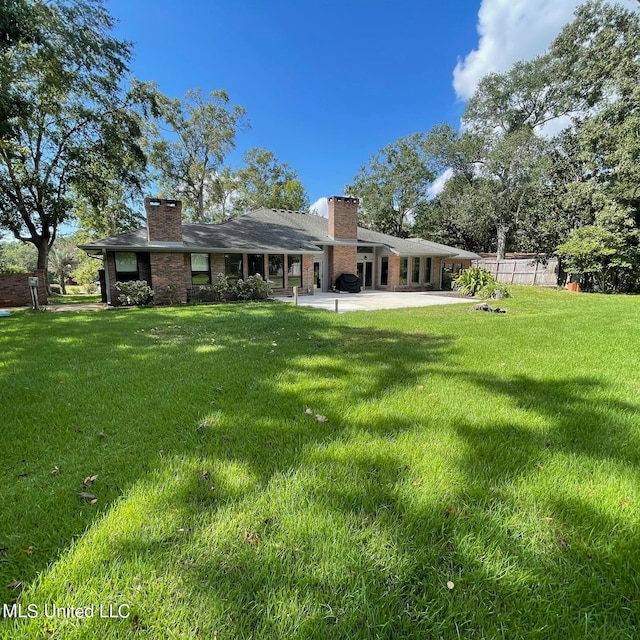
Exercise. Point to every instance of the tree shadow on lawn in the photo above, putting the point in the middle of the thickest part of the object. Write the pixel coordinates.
(557, 505)
(352, 528)
(153, 385)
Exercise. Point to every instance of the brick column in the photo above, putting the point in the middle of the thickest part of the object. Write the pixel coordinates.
(167, 270)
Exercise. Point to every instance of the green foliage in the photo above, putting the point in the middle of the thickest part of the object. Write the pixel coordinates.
(221, 290)
(11, 268)
(134, 293)
(63, 259)
(393, 185)
(493, 290)
(86, 271)
(190, 164)
(253, 288)
(266, 182)
(79, 120)
(609, 250)
(108, 212)
(511, 185)
(470, 281)
(220, 287)
(20, 256)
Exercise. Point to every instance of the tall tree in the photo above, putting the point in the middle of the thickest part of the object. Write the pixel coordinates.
(267, 182)
(393, 185)
(18, 27)
(188, 146)
(63, 258)
(78, 121)
(598, 63)
(111, 213)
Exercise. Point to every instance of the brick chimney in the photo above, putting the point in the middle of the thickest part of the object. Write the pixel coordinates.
(164, 220)
(343, 218)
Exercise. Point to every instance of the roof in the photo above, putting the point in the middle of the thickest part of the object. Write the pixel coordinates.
(268, 231)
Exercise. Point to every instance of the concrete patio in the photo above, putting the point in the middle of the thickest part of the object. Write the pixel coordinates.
(373, 300)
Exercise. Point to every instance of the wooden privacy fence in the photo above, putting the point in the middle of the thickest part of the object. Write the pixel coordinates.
(522, 271)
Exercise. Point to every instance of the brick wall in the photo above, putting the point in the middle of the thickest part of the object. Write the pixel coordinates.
(216, 261)
(15, 290)
(343, 218)
(168, 269)
(342, 259)
(164, 220)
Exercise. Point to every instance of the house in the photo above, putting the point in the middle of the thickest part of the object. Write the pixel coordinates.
(289, 248)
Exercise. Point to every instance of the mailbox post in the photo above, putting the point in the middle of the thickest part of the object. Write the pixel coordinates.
(33, 286)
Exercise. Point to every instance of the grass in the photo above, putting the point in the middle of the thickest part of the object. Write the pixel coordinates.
(74, 298)
(498, 453)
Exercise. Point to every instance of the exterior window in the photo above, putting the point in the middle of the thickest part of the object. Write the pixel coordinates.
(126, 266)
(427, 270)
(233, 266)
(294, 271)
(276, 270)
(415, 273)
(384, 271)
(404, 271)
(200, 272)
(255, 262)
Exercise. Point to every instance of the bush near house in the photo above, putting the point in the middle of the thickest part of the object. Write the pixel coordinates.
(222, 290)
(134, 293)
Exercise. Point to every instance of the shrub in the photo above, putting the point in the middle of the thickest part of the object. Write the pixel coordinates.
(220, 288)
(470, 281)
(135, 292)
(11, 268)
(494, 290)
(253, 288)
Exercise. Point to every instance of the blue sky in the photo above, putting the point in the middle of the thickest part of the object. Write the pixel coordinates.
(326, 83)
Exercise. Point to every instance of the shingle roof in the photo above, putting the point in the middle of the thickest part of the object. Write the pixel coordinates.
(269, 230)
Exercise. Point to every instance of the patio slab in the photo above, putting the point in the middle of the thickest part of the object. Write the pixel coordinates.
(374, 300)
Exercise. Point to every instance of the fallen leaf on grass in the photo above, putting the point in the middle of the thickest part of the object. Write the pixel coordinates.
(320, 418)
(250, 538)
(29, 549)
(89, 480)
(89, 497)
(309, 411)
(55, 471)
(205, 476)
(16, 585)
(420, 387)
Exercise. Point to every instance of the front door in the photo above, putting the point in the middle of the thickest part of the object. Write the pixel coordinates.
(365, 273)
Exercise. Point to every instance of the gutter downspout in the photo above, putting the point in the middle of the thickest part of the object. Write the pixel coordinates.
(107, 284)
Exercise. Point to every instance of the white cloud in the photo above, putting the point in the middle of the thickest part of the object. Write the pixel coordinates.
(510, 30)
(438, 184)
(321, 207)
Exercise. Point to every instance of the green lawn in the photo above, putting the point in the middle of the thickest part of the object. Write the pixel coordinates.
(74, 298)
(500, 453)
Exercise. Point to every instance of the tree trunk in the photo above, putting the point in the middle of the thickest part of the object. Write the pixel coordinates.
(201, 205)
(42, 246)
(502, 240)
